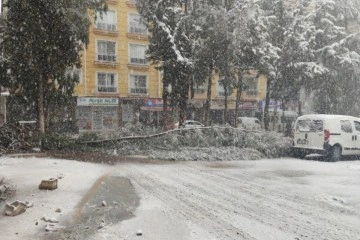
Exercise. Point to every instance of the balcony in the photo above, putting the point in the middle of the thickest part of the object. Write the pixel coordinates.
(252, 92)
(106, 89)
(131, 3)
(139, 91)
(138, 35)
(114, 2)
(106, 60)
(106, 29)
(138, 64)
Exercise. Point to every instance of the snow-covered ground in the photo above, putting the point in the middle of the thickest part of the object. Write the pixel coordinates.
(263, 199)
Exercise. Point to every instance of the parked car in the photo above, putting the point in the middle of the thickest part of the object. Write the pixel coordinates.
(331, 135)
(190, 124)
(248, 123)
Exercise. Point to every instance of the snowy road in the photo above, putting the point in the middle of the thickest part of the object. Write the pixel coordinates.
(268, 199)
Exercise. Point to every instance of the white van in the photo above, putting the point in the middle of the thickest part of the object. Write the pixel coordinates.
(331, 135)
(248, 123)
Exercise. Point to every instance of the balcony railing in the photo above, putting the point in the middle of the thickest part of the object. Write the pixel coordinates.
(107, 89)
(140, 61)
(138, 90)
(252, 92)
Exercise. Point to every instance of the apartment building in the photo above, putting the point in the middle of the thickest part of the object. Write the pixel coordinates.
(118, 85)
(254, 92)
(116, 81)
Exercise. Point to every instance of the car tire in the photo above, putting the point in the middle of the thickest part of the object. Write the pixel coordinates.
(299, 153)
(335, 153)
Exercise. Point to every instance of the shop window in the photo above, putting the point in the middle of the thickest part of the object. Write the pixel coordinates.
(137, 54)
(106, 51)
(106, 21)
(136, 24)
(138, 84)
(106, 82)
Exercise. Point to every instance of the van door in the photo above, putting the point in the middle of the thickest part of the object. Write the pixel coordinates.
(357, 137)
(347, 136)
(316, 135)
(309, 133)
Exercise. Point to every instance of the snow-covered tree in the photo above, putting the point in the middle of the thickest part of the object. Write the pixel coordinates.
(337, 52)
(212, 53)
(170, 48)
(41, 40)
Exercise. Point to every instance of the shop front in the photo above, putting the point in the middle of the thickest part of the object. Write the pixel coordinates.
(152, 113)
(97, 114)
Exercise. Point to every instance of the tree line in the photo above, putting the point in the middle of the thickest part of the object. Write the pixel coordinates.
(307, 44)
(311, 44)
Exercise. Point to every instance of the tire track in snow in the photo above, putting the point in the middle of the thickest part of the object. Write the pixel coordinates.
(214, 201)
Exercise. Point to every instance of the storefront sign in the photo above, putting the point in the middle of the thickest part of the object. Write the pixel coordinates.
(153, 102)
(272, 105)
(247, 106)
(89, 101)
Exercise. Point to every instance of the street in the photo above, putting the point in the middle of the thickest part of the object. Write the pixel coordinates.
(266, 199)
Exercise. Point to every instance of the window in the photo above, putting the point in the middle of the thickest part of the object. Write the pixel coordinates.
(310, 126)
(137, 54)
(74, 71)
(251, 86)
(106, 51)
(346, 126)
(221, 90)
(200, 89)
(357, 126)
(77, 72)
(136, 24)
(106, 82)
(138, 84)
(107, 21)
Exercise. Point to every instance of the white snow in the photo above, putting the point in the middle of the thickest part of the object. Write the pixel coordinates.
(277, 199)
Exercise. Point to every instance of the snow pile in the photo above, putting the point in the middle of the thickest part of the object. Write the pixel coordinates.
(209, 154)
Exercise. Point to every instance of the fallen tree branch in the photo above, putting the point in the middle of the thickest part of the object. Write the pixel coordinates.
(99, 142)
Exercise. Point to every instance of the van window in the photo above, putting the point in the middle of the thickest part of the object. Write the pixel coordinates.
(357, 126)
(346, 126)
(309, 126)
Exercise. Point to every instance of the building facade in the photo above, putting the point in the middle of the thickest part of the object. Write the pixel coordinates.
(115, 80)
(118, 85)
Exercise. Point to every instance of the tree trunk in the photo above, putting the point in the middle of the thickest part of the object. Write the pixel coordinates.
(40, 105)
(184, 95)
(226, 104)
(208, 97)
(267, 102)
(238, 96)
(165, 119)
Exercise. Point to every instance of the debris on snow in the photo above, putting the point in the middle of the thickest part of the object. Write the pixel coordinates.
(49, 219)
(15, 208)
(60, 176)
(58, 210)
(29, 204)
(139, 232)
(50, 184)
(103, 203)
